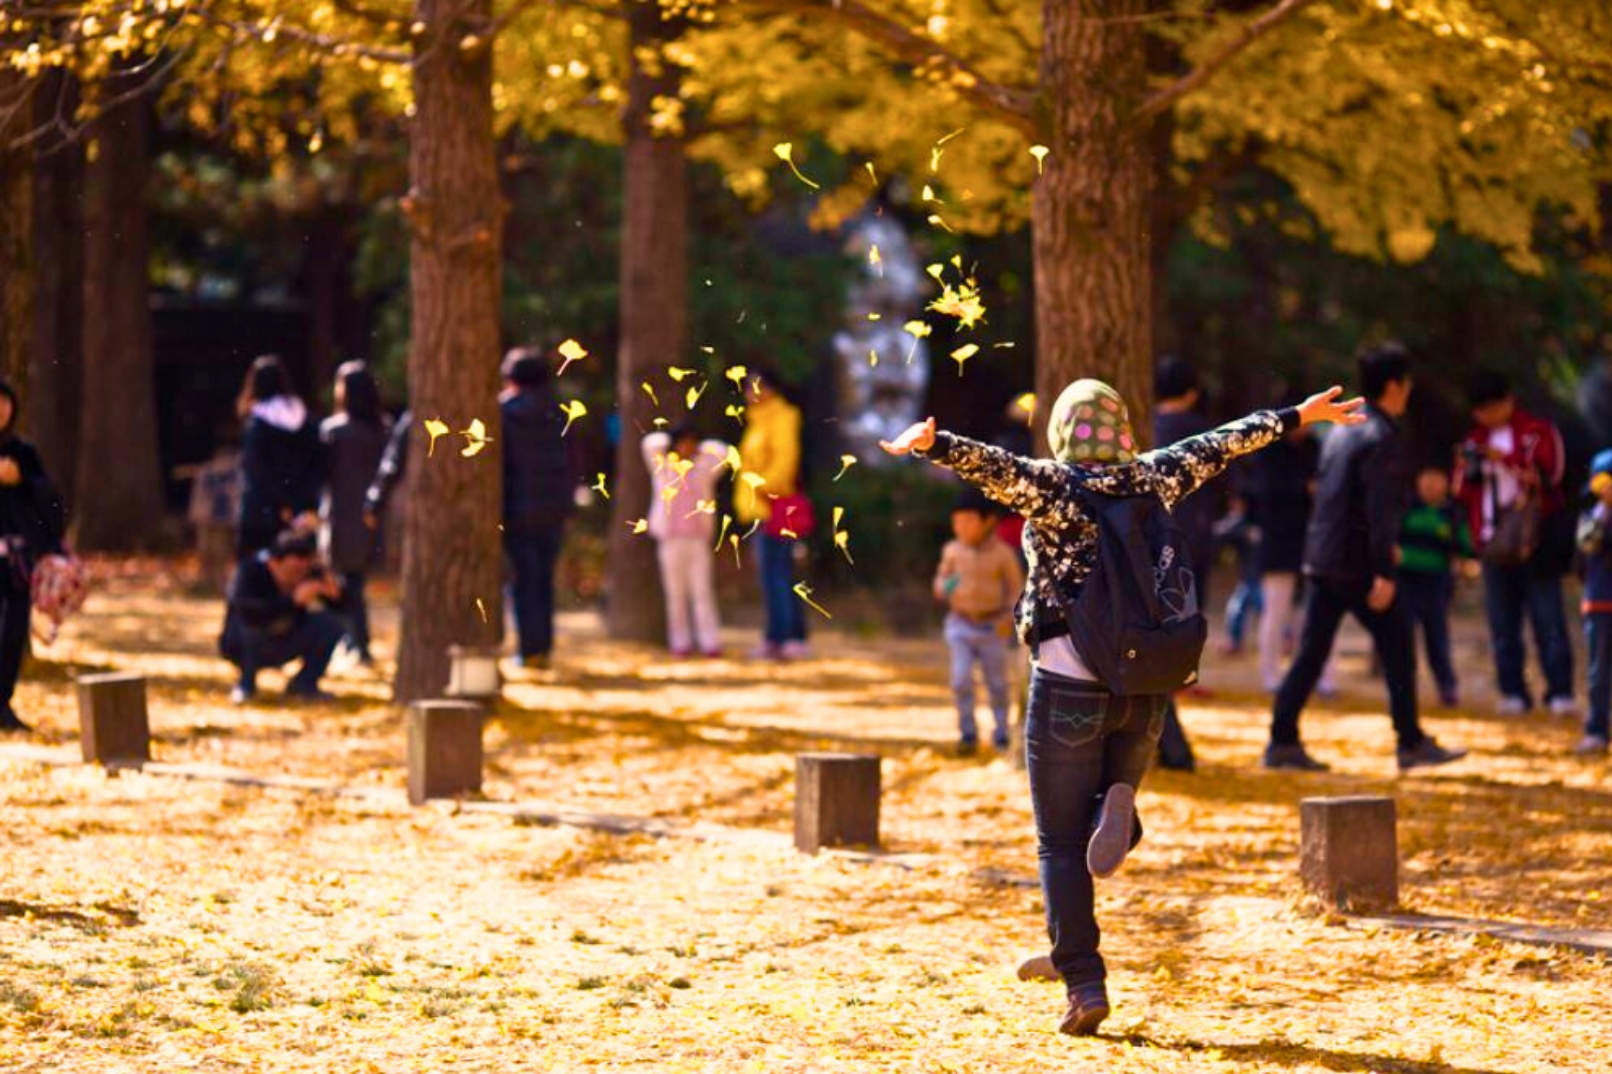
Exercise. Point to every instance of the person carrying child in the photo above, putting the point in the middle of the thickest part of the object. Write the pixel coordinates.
(1595, 543)
(1089, 739)
(978, 580)
(683, 472)
(1432, 536)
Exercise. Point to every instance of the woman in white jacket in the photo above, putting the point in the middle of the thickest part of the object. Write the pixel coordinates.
(682, 520)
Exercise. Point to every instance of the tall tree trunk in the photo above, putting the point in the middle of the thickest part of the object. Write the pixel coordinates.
(654, 314)
(452, 555)
(1093, 273)
(55, 356)
(119, 485)
(16, 229)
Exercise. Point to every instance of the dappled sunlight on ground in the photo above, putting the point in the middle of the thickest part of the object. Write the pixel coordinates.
(154, 924)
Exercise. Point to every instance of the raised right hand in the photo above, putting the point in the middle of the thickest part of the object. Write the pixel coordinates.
(1381, 597)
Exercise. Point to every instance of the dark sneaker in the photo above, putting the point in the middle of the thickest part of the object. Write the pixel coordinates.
(1088, 1007)
(1294, 758)
(1427, 754)
(968, 746)
(10, 724)
(1001, 743)
(1114, 835)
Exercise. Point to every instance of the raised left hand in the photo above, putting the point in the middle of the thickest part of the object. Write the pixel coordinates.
(1325, 406)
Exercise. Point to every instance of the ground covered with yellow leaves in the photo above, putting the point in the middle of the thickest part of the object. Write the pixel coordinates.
(156, 924)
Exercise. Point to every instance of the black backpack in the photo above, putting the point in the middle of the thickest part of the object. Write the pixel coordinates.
(1137, 622)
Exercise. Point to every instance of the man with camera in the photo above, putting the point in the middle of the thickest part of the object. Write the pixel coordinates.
(276, 615)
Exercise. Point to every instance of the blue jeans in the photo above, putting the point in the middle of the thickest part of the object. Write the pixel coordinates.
(1598, 640)
(1079, 740)
(786, 613)
(981, 643)
(312, 641)
(532, 554)
(1508, 594)
(1246, 600)
(1427, 598)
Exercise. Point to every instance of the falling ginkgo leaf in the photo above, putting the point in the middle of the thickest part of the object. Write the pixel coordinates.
(731, 458)
(936, 270)
(786, 153)
(640, 526)
(735, 412)
(874, 260)
(650, 389)
(572, 411)
(435, 429)
(846, 462)
(737, 375)
(727, 521)
(934, 220)
(873, 359)
(917, 330)
(677, 374)
(868, 164)
(1039, 152)
(734, 541)
(842, 538)
(929, 195)
(805, 594)
(482, 608)
(475, 438)
(963, 354)
(693, 394)
(571, 351)
(599, 487)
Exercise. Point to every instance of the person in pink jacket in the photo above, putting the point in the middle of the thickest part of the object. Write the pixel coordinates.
(682, 519)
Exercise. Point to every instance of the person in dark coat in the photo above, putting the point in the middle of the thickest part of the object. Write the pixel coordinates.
(282, 466)
(32, 522)
(538, 496)
(275, 615)
(1278, 491)
(1349, 559)
(354, 440)
(393, 466)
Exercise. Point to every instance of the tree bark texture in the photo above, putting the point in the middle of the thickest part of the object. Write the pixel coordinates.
(55, 371)
(16, 233)
(654, 318)
(1092, 205)
(118, 497)
(452, 550)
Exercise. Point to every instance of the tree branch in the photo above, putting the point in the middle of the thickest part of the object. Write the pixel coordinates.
(1206, 70)
(1008, 102)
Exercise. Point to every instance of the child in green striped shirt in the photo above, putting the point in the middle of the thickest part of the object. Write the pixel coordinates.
(1432, 535)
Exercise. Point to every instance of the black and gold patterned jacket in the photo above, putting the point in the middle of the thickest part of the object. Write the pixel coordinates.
(1060, 539)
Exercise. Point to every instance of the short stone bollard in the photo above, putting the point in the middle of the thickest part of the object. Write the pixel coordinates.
(1349, 852)
(836, 800)
(113, 727)
(444, 749)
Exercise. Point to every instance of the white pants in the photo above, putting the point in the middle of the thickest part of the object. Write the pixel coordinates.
(685, 575)
(1277, 590)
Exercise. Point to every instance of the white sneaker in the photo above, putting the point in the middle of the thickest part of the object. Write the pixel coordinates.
(1512, 706)
(1592, 744)
(1563, 706)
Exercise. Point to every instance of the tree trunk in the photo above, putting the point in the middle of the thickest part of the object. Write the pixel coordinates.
(118, 494)
(16, 232)
(55, 356)
(654, 317)
(1092, 205)
(452, 554)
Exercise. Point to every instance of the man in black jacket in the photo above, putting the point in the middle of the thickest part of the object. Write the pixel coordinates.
(538, 491)
(1349, 556)
(274, 617)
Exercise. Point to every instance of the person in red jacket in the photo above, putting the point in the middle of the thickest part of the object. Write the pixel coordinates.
(1512, 458)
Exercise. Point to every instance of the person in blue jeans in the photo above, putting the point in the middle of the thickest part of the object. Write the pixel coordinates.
(1594, 530)
(978, 580)
(276, 615)
(538, 496)
(1087, 749)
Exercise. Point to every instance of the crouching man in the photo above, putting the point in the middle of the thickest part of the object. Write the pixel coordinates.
(276, 616)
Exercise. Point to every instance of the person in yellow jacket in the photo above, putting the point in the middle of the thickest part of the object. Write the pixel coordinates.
(770, 450)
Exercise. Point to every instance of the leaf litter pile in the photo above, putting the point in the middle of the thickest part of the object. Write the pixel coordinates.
(160, 924)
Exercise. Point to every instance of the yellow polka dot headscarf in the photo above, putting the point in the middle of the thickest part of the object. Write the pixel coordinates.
(1089, 424)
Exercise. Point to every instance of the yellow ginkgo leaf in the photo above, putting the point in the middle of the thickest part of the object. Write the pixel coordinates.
(963, 354)
(1039, 152)
(868, 164)
(693, 394)
(481, 607)
(650, 389)
(929, 195)
(678, 374)
(572, 411)
(737, 374)
(936, 270)
(805, 594)
(846, 462)
(785, 152)
(475, 438)
(873, 359)
(873, 257)
(842, 541)
(660, 423)
(571, 351)
(640, 526)
(917, 329)
(599, 487)
(731, 459)
(735, 412)
(434, 428)
(934, 220)
(727, 522)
